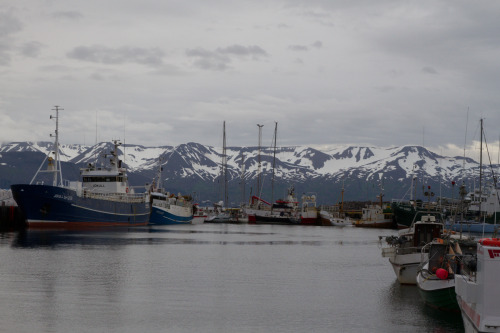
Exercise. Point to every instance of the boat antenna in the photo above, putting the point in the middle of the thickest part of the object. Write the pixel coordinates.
(258, 160)
(422, 169)
(465, 145)
(481, 168)
(54, 165)
(274, 159)
(224, 163)
(95, 150)
(491, 167)
(124, 145)
(242, 177)
(58, 169)
(342, 195)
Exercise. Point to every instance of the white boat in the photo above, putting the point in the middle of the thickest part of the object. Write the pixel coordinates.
(376, 216)
(477, 288)
(334, 218)
(222, 217)
(405, 251)
(335, 215)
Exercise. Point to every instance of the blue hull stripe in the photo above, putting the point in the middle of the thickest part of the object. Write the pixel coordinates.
(103, 212)
(162, 217)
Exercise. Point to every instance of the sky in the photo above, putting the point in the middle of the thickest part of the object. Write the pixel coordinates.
(378, 73)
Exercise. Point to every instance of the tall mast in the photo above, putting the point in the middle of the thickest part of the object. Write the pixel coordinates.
(224, 163)
(242, 177)
(274, 159)
(481, 170)
(342, 197)
(258, 159)
(57, 170)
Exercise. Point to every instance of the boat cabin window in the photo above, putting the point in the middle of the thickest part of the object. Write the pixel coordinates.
(425, 233)
(104, 179)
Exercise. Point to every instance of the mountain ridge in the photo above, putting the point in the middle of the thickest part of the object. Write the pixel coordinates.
(193, 167)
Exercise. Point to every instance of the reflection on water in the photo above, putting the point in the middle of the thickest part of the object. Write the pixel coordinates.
(207, 278)
(404, 301)
(48, 238)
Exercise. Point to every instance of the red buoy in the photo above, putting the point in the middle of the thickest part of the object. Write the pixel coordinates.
(442, 273)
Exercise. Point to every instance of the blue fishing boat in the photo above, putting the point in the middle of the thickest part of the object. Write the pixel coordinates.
(101, 198)
(167, 208)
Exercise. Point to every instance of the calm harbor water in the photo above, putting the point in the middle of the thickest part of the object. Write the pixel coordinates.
(207, 278)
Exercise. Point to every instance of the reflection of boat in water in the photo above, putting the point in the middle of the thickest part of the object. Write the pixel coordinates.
(477, 288)
(436, 276)
(102, 198)
(405, 252)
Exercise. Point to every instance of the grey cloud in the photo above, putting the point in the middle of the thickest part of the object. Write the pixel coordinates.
(101, 54)
(220, 58)
(9, 24)
(429, 70)
(239, 50)
(31, 49)
(316, 14)
(208, 59)
(97, 77)
(4, 54)
(71, 15)
(317, 44)
(298, 47)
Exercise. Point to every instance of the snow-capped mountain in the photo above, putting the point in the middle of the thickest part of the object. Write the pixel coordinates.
(196, 168)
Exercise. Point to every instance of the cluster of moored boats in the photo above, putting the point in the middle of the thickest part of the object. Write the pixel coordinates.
(452, 272)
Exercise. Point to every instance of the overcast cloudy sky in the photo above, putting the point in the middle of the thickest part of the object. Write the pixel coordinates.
(382, 73)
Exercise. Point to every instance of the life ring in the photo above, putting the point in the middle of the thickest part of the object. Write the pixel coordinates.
(126, 190)
(490, 242)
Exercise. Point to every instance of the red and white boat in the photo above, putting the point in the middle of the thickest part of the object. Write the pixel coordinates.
(478, 293)
(281, 212)
(308, 211)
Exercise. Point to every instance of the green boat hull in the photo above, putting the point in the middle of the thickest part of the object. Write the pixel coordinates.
(443, 299)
